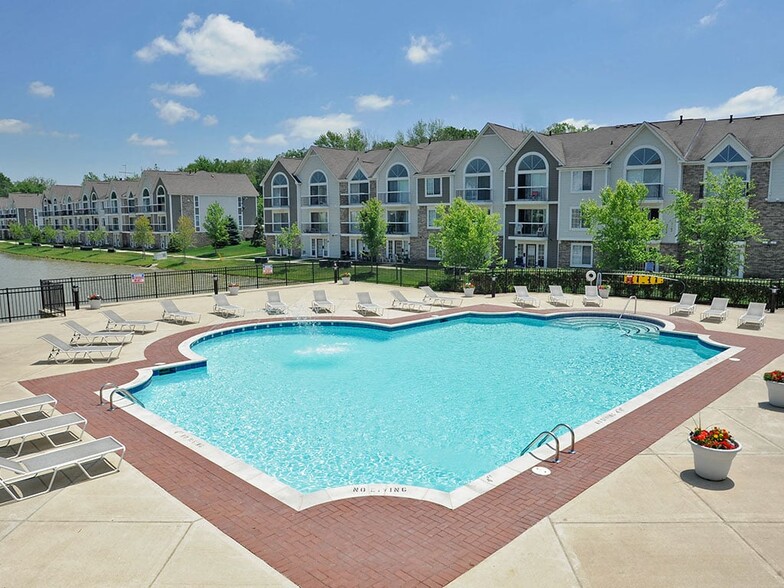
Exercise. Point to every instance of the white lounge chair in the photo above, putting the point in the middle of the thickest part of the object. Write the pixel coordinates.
(43, 428)
(172, 313)
(117, 323)
(557, 297)
(274, 304)
(523, 298)
(686, 304)
(592, 296)
(438, 300)
(718, 309)
(82, 334)
(366, 306)
(321, 303)
(31, 404)
(74, 352)
(84, 455)
(225, 308)
(754, 315)
(400, 301)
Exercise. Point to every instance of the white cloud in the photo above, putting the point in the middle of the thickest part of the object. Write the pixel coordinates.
(423, 49)
(41, 90)
(580, 122)
(308, 128)
(755, 101)
(375, 102)
(209, 120)
(13, 126)
(173, 112)
(222, 47)
(181, 90)
(710, 18)
(136, 139)
(250, 144)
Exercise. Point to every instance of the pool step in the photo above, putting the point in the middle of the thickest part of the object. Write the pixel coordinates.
(627, 327)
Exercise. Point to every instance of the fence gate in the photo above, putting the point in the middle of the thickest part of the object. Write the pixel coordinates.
(52, 298)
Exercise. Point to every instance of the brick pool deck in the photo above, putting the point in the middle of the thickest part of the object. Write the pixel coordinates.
(378, 541)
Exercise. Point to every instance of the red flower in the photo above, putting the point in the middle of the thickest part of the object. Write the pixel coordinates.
(715, 438)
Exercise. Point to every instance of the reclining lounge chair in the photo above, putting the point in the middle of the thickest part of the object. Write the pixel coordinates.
(557, 297)
(754, 315)
(321, 303)
(172, 313)
(84, 335)
(85, 456)
(225, 308)
(523, 298)
(24, 406)
(400, 301)
(274, 304)
(718, 309)
(61, 423)
(685, 305)
(592, 296)
(366, 306)
(117, 323)
(74, 352)
(433, 298)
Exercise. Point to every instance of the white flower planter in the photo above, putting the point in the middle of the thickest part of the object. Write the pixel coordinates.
(469, 292)
(346, 280)
(234, 290)
(95, 304)
(713, 464)
(604, 293)
(775, 393)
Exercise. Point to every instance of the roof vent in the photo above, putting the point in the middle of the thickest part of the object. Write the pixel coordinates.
(731, 116)
(757, 118)
(681, 121)
(611, 141)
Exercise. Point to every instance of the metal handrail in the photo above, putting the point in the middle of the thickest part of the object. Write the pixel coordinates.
(117, 390)
(625, 306)
(571, 434)
(545, 434)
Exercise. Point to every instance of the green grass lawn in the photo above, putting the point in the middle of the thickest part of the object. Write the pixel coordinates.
(244, 249)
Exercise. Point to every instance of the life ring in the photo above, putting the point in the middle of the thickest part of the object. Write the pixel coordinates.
(590, 275)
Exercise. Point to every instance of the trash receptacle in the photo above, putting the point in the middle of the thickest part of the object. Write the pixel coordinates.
(773, 299)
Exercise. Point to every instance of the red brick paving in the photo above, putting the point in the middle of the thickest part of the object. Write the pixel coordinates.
(386, 541)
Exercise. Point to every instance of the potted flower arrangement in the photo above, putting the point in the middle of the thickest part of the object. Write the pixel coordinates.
(95, 301)
(604, 291)
(714, 449)
(468, 288)
(234, 289)
(345, 277)
(775, 382)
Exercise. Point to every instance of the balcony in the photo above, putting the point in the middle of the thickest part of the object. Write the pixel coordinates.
(10, 213)
(316, 228)
(276, 202)
(529, 194)
(130, 209)
(159, 228)
(357, 198)
(395, 197)
(476, 194)
(654, 192)
(350, 228)
(314, 201)
(538, 230)
(397, 229)
(152, 208)
(276, 227)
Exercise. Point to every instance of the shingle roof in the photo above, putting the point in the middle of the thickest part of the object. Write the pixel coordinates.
(204, 183)
(27, 200)
(62, 191)
(122, 187)
(337, 160)
(370, 160)
(513, 137)
(763, 136)
(6, 203)
(416, 155)
(290, 164)
(443, 155)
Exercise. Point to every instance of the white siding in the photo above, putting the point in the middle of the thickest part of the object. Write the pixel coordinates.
(492, 149)
(413, 185)
(567, 200)
(315, 163)
(776, 189)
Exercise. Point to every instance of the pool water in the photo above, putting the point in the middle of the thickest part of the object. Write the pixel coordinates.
(436, 405)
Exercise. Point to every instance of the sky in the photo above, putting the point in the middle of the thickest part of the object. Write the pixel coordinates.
(107, 87)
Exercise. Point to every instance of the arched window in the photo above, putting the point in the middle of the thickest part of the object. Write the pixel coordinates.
(532, 179)
(280, 190)
(318, 189)
(54, 206)
(146, 200)
(397, 185)
(85, 204)
(113, 203)
(68, 206)
(477, 180)
(732, 162)
(358, 188)
(644, 166)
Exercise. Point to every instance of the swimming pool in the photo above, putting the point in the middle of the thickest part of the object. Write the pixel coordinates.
(436, 405)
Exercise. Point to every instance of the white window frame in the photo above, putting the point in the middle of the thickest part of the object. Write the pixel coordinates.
(644, 168)
(432, 213)
(240, 213)
(475, 179)
(277, 190)
(431, 252)
(430, 187)
(196, 214)
(283, 221)
(581, 175)
(572, 219)
(582, 247)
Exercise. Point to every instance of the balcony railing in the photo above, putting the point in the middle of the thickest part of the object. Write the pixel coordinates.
(314, 201)
(84, 211)
(277, 227)
(357, 198)
(276, 202)
(159, 228)
(11, 213)
(395, 197)
(654, 192)
(316, 228)
(397, 229)
(129, 209)
(350, 228)
(476, 194)
(527, 230)
(531, 194)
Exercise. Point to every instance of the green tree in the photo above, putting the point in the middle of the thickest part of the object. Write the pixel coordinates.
(620, 227)
(16, 230)
(289, 238)
(216, 226)
(559, 128)
(97, 236)
(373, 226)
(233, 231)
(257, 239)
(6, 185)
(352, 140)
(142, 233)
(48, 234)
(33, 185)
(294, 153)
(183, 237)
(32, 232)
(468, 237)
(71, 236)
(90, 177)
(712, 231)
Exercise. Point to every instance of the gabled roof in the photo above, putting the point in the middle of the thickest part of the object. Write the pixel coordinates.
(205, 183)
(290, 164)
(511, 137)
(371, 160)
(6, 203)
(763, 136)
(62, 191)
(21, 200)
(416, 155)
(101, 189)
(444, 154)
(336, 160)
(122, 187)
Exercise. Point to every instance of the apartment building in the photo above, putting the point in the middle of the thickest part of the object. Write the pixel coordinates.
(162, 196)
(534, 181)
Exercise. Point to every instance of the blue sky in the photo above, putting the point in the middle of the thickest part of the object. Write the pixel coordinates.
(105, 86)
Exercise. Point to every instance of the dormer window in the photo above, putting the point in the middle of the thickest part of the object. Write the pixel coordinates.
(732, 162)
(532, 181)
(644, 166)
(280, 190)
(358, 188)
(477, 181)
(397, 185)
(318, 189)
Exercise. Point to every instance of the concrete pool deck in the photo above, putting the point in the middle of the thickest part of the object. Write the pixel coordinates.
(639, 514)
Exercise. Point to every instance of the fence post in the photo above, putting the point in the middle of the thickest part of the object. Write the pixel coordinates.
(8, 303)
(155, 281)
(116, 290)
(312, 273)
(193, 283)
(256, 266)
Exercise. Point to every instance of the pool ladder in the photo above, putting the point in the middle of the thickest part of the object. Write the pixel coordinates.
(625, 306)
(117, 390)
(548, 434)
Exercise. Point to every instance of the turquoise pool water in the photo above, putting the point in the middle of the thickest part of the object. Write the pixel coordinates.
(436, 405)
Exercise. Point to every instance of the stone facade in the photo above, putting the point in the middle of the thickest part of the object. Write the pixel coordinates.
(692, 179)
(765, 259)
(418, 245)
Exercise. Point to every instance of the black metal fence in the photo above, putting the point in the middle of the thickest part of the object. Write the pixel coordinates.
(44, 300)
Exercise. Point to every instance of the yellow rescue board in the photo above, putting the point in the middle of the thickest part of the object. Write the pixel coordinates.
(643, 280)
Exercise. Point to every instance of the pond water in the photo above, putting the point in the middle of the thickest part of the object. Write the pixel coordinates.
(21, 270)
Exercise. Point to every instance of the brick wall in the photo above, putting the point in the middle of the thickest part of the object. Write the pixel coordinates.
(765, 260)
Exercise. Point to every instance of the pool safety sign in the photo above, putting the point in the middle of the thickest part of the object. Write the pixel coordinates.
(643, 280)
(137, 278)
(266, 270)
